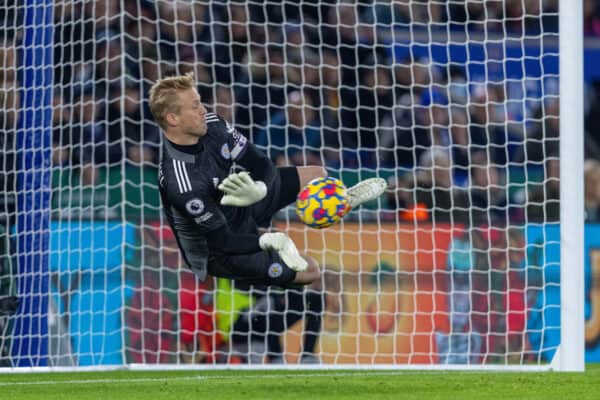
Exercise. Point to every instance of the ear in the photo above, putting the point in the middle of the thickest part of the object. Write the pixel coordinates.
(172, 119)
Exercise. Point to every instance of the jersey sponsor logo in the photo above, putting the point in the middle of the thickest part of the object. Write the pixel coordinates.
(194, 206)
(203, 218)
(240, 144)
(275, 270)
(225, 151)
(181, 174)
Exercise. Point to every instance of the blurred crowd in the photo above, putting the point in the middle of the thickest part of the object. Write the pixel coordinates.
(318, 82)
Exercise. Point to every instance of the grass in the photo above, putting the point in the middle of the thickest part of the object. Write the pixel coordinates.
(305, 385)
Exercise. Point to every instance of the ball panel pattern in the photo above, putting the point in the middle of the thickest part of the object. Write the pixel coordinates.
(322, 202)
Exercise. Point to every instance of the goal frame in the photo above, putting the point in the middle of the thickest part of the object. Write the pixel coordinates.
(34, 206)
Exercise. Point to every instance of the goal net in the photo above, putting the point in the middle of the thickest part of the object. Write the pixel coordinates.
(454, 103)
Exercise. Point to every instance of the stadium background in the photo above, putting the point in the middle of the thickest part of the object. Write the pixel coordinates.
(126, 174)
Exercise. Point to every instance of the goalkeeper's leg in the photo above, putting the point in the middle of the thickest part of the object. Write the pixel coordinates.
(312, 274)
(365, 191)
(310, 172)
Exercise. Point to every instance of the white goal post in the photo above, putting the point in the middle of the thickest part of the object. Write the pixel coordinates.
(572, 349)
(469, 261)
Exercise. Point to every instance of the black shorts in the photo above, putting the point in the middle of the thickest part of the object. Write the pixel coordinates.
(263, 267)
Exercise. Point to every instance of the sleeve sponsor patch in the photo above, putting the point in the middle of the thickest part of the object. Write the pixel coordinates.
(194, 206)
(239, 144)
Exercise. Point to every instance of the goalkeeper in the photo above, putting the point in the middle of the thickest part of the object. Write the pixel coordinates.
(217, 189)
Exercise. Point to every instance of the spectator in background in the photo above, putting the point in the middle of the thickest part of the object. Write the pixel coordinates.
(475, 15)
(10, 98)
(543, 203)
(266, 95)
(204, 81)
(487, 123)
(293, 136)
(591, 18)
(388, 16)
(353, 46)
(376, 100)
(62, 119)
(9, 115)
(340, 33)
(433, 114)
(199, 338)
(141, 28)
(460, 145)
(463, 343)
(154, 68)
(252, 318)
(86, 139)
(224, 104)
(329, 103)
(487, 194)
(109, 67)
(523, 17)
(127, 129)
(434, 188)
(543, 140)
(177, 34)
(592, 190)
(412, 76)
(514, 282)
(415, 124)
(233, 40)
(592, 120)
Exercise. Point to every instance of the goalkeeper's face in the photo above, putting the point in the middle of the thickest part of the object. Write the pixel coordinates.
(192, 114)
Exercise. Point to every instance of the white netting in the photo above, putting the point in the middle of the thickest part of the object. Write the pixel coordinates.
(455, 103)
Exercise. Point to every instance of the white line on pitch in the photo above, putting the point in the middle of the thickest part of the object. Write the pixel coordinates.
(208, 377)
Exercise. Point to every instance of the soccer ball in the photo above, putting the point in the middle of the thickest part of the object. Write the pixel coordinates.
(322, 202)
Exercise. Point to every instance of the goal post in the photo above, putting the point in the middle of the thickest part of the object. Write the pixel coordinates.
(32, 164)
(572, 349)
(468, 261)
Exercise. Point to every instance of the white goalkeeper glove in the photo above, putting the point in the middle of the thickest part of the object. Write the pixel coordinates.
(285, 247)
(241, 190)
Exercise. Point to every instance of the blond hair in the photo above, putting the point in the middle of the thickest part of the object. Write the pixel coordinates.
(164, 96)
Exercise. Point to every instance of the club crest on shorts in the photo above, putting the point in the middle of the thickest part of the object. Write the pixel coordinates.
(194, 206)
(225, 151)
(275, 270)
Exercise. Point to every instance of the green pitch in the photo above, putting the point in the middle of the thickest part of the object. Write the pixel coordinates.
(302, 385)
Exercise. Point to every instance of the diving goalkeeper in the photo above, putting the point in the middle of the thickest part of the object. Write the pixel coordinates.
(217, 189)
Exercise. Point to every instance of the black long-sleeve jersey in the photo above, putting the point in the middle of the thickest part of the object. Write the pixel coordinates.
(188, 179)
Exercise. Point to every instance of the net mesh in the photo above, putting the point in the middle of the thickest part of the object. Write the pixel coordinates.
(454, 103)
